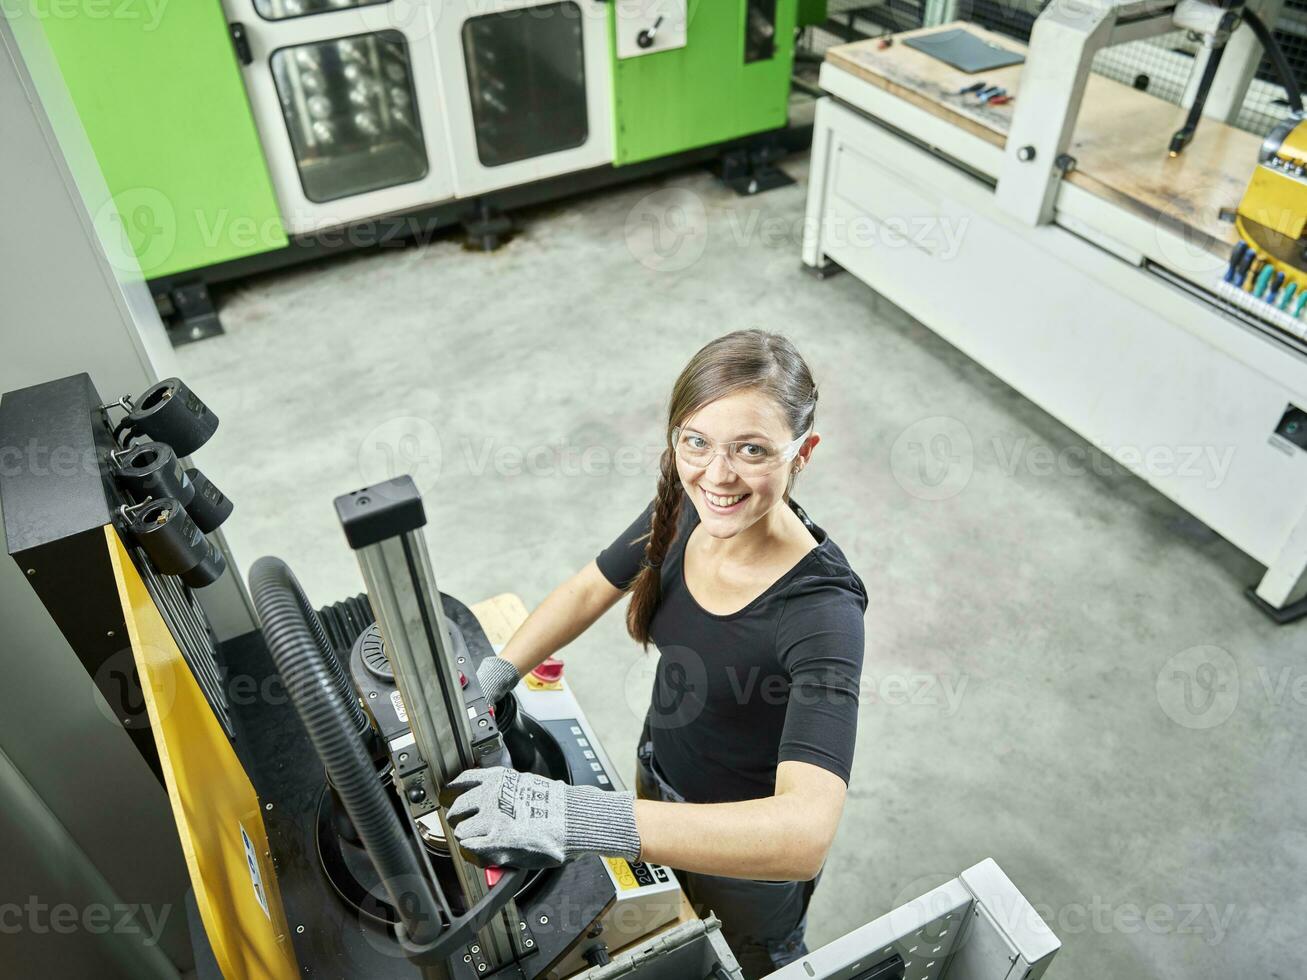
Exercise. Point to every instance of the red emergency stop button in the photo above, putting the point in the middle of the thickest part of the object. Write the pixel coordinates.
(550, 671)
(462, 679)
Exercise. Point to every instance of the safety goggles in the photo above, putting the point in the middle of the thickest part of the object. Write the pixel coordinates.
(755, 456)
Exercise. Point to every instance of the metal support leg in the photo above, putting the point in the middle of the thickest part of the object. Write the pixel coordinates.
(820, 163)
(1282, 592)
(191, 314)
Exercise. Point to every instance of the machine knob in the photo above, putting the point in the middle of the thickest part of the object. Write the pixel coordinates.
(462, 679)
(645, 38)
(551, 671)
(417, 794)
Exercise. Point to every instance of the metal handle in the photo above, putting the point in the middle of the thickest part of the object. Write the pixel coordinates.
(241, 42)
(461, 930)
(645, 38)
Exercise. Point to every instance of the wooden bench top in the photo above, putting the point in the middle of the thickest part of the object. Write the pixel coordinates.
(1119, 142)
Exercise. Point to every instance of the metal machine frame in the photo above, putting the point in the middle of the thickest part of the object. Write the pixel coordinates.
(1119, 295)
(976, 927)
(1062, 47)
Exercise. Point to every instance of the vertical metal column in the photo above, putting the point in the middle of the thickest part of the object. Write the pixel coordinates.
(383, 524)
(1062, 48)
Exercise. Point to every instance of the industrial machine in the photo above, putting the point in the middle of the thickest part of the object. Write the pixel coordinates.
(306, 761)
(1077, 242)
(241, 136)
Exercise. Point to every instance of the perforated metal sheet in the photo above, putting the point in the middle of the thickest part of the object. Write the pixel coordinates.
(924, 932)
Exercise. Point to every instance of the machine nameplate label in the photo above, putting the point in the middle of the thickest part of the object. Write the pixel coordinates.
(256, 878)
(622, 874)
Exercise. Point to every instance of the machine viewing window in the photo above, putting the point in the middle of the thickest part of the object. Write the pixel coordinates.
(760, 31)
(351, 112)
(286, 9)
(526, 81)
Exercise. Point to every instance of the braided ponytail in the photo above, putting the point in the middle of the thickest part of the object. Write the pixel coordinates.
(646, 591)
(744, 359)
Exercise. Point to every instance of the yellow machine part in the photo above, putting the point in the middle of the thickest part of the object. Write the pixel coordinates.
(1294, 146)
(1275, 201)
(1273, 213)
(218, 816)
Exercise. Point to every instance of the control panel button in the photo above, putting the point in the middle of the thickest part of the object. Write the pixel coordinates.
(550, 671)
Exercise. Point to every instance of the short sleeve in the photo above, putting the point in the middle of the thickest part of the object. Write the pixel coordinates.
(820, 640)
(620, 561)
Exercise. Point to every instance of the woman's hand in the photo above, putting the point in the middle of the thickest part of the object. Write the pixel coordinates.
(521, 820)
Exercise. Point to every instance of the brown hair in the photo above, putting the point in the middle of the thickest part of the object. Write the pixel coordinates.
(745, 359)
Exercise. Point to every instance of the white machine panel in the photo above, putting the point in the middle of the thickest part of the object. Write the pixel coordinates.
(648, 895)
(349, 107)
(649, 26)
(495, 60)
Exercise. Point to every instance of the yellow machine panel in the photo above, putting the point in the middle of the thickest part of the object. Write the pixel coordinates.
(218, 816)
(1272, 215)
(1276, 201)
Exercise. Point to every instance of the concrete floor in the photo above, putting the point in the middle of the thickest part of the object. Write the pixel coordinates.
(1032, 627)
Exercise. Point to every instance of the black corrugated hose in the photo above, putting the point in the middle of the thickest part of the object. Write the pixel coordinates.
(329, 657)
(1278, 61)
(313, 690)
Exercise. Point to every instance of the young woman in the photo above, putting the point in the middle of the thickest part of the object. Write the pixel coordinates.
(757, 617)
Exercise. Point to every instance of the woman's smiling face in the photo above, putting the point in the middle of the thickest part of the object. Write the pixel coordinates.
(728, 501)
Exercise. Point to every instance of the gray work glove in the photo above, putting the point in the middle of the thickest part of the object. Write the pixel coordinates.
(521, 820)
(497, 677)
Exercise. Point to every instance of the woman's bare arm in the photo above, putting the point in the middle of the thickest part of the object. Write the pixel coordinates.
(784, 837)
(565, 614)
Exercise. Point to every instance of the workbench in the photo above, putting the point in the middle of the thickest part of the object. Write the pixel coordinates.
(1119, 142)
(1106, 316)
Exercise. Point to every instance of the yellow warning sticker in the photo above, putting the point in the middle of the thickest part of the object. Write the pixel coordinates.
(623, 873)
(536, 684)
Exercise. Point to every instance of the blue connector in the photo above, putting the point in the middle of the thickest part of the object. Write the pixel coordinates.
(1277, 281)
(1235, 258)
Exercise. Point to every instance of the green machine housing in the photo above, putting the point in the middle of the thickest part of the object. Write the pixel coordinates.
(160, 93)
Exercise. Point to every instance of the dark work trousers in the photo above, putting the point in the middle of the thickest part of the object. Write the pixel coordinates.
(762, 921)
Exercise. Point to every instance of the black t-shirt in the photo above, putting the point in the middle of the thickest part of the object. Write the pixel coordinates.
(776, 681)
